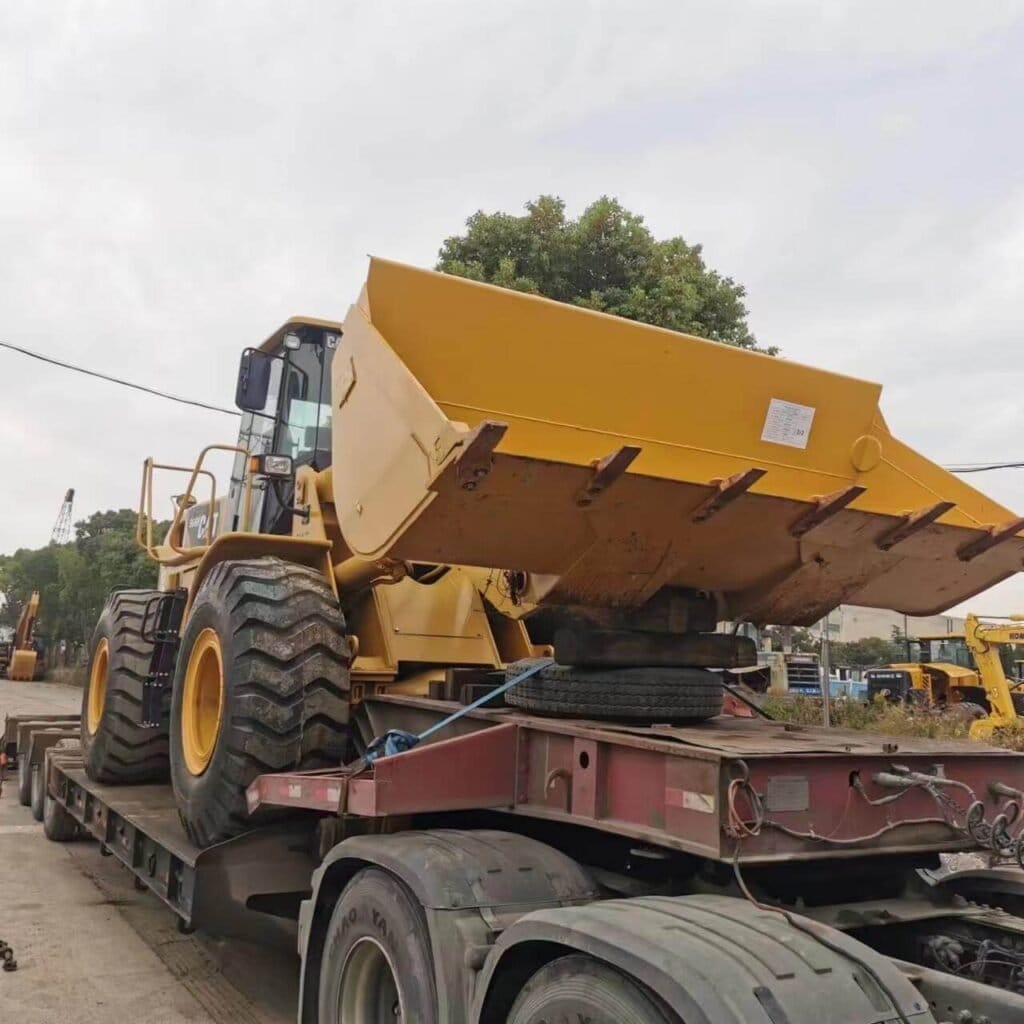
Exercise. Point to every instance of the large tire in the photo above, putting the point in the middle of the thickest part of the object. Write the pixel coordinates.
(38, 791)
(261, 685)
(58, 825)
(578, 988)
(24, 779)
(115, 747)
(377, 960)
(632, 694)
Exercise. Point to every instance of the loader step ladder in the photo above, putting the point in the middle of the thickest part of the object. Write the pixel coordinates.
(161, 626)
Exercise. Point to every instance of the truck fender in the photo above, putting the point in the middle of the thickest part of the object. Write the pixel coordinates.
(471, 885)
(709, 959)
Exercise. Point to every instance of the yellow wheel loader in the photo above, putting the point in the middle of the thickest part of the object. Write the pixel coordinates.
(458, 478)
(959, 669)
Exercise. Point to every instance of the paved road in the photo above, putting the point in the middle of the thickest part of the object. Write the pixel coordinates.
(92, 950)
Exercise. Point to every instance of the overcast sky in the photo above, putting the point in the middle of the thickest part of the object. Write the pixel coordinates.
(177, 178)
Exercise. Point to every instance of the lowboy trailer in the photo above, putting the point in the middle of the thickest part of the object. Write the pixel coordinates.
(513, 864)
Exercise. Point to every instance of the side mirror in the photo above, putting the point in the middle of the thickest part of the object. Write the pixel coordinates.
(253, 380)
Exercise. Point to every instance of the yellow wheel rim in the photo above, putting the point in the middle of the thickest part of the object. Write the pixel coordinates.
(97, 686)
(202, 702)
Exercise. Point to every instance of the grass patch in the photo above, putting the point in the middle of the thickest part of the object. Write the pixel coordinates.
(889, 719)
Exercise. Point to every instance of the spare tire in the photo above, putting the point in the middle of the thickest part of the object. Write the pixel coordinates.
(115, 747)
(630, 694)
(261, 685)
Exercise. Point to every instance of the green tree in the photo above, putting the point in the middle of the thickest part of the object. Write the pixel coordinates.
(74, 579)
(606, 260)
(870, 652)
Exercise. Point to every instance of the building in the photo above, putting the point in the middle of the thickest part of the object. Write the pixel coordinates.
(850, 622)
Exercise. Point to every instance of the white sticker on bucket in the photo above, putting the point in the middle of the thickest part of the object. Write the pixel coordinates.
(788, 423)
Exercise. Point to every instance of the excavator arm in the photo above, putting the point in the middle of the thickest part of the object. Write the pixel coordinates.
(983, 641)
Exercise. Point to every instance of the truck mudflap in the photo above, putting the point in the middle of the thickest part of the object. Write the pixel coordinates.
(714, 960)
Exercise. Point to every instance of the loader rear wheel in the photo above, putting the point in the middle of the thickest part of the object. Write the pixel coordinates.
(261, 685)
(636, 694)
(580, 988)
(115, 747)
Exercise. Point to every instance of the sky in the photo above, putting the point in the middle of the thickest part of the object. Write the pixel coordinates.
(177, 178)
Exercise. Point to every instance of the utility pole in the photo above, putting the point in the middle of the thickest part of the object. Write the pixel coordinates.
(62, 527)
(826, 693)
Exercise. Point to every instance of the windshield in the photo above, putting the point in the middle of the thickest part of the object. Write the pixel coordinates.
(305, 423)
(295, 421)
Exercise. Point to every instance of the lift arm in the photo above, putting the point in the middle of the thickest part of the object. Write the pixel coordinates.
(983, 641)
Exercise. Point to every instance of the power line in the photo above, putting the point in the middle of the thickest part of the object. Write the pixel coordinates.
(972, 467)
(984, 467)
(116, 380)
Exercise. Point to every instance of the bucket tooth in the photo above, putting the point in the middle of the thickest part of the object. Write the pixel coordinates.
(474, 463)
(726, 491)
(606, 472)
(995, 535)
(825, 508)
(913, 523)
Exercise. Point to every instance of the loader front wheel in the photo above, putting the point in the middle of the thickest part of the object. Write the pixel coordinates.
(261, 685)
(629, 694)
(115, 747)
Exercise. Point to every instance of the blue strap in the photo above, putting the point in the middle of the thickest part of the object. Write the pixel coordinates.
(397, 741)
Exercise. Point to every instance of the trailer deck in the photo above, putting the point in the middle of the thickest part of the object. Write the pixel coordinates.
(778, 791)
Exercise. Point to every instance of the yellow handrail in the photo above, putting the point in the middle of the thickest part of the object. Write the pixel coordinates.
(183, 502)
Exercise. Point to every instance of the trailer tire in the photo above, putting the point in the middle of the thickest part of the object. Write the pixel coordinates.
(58, 825)
(640, 694)
(377, 955)
(578, 987)
(261, 685)
(24, 779)
(115, 746)
(38, 792)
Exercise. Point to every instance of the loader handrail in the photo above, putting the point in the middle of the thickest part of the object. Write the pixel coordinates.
(183, 503)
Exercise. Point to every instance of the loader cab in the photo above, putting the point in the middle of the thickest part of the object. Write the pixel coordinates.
(284, 392)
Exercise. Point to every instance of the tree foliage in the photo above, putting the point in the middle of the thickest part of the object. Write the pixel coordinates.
(870, 652)
(606, 260)
(74, 579)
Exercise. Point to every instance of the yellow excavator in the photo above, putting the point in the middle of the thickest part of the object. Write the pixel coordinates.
(959, 669)
(23, 659)
(457, 478)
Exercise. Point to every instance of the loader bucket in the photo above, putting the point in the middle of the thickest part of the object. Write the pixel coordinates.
(606, 458)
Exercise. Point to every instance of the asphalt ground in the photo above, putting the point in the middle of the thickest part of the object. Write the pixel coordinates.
(91, 949)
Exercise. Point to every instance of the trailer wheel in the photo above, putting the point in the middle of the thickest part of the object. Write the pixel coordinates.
(644, 694)
(24, 779)
(58, 825)
(38, 792)
(580, 988)
(261, 685)
(115, 747)
(377, 962)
